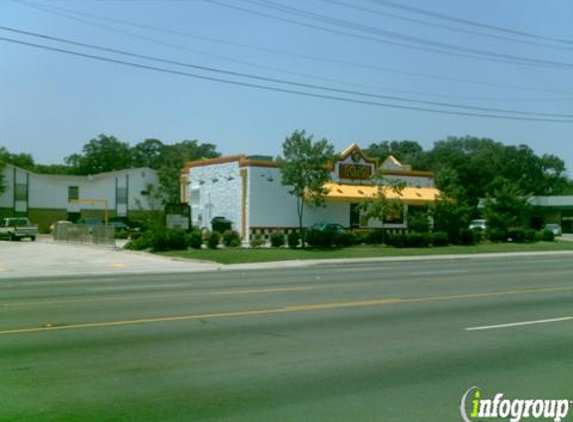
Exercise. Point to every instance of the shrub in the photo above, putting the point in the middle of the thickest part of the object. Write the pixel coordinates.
(496, 235)
(439, 239)
(231, 239)
(293, 240)
(213, 240)
(417, 240)
(374, 237)
(140, 242)
(547, 236)
(397, 240)
(195, 239)
(277, 239)
(319, 239)
(467, 237)
(165, 240)
(258, 243)
(530, 235)
(516, 235)
(343, 239)
(359, 236)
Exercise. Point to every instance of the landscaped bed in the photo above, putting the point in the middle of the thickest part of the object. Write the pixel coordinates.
(245, 255)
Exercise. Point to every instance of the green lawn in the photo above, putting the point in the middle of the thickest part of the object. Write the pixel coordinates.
(243, 255)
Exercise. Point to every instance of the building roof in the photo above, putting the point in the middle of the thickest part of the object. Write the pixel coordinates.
(409, 195)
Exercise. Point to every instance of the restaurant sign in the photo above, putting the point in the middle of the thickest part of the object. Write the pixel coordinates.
(354, 171)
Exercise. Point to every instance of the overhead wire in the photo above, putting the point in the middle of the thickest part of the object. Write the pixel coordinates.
(279, 89)
(54, 9)
(421, 44)
(279, 81)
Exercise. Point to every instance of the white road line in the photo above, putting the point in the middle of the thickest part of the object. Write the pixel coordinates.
(148, 286)
(519, 324)
(440, 272)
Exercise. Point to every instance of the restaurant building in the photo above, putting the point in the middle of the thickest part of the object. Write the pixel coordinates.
(247, 190)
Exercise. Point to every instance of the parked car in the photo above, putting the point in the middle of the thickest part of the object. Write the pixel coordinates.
(17, 228)
(59, 223)
(478, 224)
(555, 228)
(119, 225)
(89, 221)
(328, 227)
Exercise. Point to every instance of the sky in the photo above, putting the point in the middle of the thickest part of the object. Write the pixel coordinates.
(244, 74)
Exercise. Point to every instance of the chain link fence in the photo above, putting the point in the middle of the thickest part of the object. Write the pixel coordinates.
(79, 233)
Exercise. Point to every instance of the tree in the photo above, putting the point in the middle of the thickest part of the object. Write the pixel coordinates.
(386, 203)
(106, 153)
(148, 153)
(408, 152)
(2, 165)
(304, 169)
(506, 207)
(451, 212)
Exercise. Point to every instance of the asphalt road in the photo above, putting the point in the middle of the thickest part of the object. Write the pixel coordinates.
(375, 342)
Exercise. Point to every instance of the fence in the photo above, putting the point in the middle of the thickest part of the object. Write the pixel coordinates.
(79, 233)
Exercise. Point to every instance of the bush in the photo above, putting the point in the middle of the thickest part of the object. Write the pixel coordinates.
(516, 235)
(195, 239)
(439, 239)
(343, 239)
(140, 242)
(496, 235)
(397, 240)
(374, 237)
(213, 240)
(293, 240)
(277, 239)
(467, 237)
(231, 239)
(165, 240)
(530, 235)
(417, 240)
(547, 236)
(319, 239)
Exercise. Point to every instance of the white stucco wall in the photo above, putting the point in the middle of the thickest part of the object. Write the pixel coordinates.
(51, 191)
(271, 205)
(215, 190)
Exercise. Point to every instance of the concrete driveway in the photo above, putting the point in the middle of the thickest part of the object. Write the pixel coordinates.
(47, 258)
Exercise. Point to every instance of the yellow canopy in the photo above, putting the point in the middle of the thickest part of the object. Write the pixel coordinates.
(355, 193)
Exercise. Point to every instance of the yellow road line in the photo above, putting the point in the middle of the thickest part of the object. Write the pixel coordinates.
(287, 309)
(152, 297)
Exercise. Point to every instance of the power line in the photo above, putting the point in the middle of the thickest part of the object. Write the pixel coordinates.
(51, 9)
(279, 81)
(277, 89)
(446, 27)
(419, 43)
(430, 13)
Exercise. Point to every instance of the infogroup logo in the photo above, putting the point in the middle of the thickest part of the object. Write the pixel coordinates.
(474, 407)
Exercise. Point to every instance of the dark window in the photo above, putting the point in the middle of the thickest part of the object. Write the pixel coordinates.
(73, 193)
(20, 193)
(122, 195)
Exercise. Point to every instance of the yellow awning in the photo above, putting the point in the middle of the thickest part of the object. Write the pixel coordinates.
(355, 193)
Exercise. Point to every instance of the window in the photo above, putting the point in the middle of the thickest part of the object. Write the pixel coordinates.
(20, 193)
(73, 193)
(122, 195)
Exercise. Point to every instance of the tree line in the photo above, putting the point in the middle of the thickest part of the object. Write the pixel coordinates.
(467, 168)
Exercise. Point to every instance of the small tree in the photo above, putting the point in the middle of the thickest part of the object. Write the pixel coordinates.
(304, 169)
(507, 207)
(386, 203)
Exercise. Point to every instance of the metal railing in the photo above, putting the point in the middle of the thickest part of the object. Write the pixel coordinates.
(79, 233)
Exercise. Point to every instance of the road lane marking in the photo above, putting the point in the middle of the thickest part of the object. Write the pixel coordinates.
(153, 297)
(519, 324)
(440, 272)
(283, 310)
(134, 287)
(251, 291)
